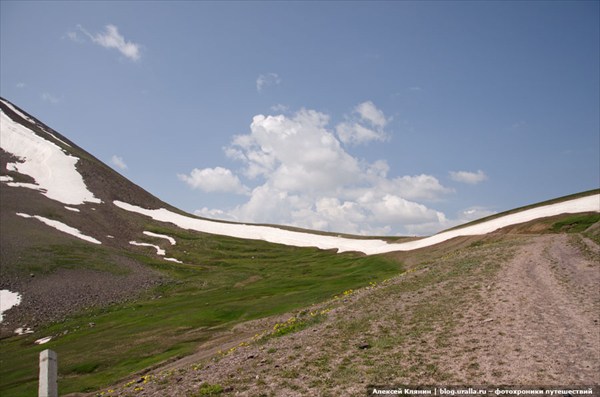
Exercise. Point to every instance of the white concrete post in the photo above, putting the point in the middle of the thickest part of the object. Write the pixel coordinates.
(48, 386)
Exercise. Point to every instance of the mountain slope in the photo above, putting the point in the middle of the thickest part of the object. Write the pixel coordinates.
(112, 191)
(148, 291)
(68, 185)
(119, 280)
(49, 186)
(511, 310)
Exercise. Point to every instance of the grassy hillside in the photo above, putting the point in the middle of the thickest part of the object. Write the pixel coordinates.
(472, 312)
(222, 282)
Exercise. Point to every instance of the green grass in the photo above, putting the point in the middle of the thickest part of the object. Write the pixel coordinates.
(223, 281)
(73, 255)
(576, 223)
(207, 389)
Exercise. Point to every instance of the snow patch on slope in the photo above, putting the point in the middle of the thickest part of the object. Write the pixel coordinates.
(253, 232)
(18, 112)
(61, 227)
(171, 239)
(32, 121)
(582, 204)
(53, 170)
(23, 331)
(367, 246)
(8, 299)
(159, 251)
(41, 341)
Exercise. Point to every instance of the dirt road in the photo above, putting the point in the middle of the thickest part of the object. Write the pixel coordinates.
(540, 323)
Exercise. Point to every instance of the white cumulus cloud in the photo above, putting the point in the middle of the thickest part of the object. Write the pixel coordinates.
(216, 179)
(392, 208)
(303, 176)
(416, 187)
(118, 162)
(213, 214)
(266, 80)
(471, 178)
(111, 38)
(366, 124)
(369, 112)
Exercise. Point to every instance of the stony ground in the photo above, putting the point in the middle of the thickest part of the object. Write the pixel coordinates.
(520, 311)
(46, 299)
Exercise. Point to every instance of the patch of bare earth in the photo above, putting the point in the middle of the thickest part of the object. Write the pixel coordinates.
(539, 325)
(520, 311)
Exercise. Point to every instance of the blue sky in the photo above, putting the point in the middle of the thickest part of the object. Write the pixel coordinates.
(360, 117)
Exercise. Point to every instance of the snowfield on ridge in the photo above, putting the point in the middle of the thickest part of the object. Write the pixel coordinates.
(52, 169)
(366, 246)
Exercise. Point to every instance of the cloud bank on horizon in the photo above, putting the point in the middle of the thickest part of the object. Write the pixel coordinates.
(299, 171)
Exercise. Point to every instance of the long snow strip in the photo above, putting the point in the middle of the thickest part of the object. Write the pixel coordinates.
(368, 247)
(53, 170)
(62, 227)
